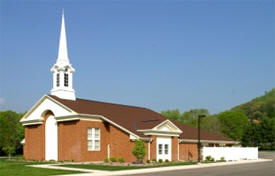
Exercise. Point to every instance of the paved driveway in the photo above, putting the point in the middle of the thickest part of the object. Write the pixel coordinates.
(254, 169)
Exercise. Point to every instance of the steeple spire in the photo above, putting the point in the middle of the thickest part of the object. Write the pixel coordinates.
(63, 52)
(62, 69)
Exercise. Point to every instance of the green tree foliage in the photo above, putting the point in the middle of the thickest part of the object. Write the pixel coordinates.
(211, 123)
(233, 123)
(191, 117)
(173, 114)
(259, 107)
(252, 123)
(139, 150)
(11, 132)
(261, 134)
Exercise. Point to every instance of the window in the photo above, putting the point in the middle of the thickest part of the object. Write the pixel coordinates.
(166, 148)
(66, 81)
(93, 139)
(160, 149)
(57, 79)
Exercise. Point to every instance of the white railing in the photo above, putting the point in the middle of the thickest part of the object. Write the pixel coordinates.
(231, 153)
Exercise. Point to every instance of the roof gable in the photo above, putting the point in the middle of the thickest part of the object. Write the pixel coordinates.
(46, 103)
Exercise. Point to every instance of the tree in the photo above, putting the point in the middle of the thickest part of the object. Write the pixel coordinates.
(139, 150)
(191, 117)
(212, 124)
(173, 114)
(11, 132)
(251, 136)
(267, 132)
(233, 123)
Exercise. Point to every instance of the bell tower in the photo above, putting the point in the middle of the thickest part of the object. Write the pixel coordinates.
(62, 70)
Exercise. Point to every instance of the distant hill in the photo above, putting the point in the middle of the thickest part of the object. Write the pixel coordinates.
(263, 106)
(251, 123)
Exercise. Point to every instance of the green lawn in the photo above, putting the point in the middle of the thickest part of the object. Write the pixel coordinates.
(19, 168)
(117, 168)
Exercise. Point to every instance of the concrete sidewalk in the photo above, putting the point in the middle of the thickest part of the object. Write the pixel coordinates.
(140, 171)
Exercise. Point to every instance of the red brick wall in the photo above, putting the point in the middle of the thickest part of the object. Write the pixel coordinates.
(69, 137)
(73, 142)
(174, 148)
(153, 148)
(34, 147)
(188, 152)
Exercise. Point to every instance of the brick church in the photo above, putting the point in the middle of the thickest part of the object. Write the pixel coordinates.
(62, 127)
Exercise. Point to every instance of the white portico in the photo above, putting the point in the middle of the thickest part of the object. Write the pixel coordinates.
(164, 133)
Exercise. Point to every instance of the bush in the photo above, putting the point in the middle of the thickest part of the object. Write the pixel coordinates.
(160, 160)
(113, 159)
(222, 159)
(166, 160)
(106, 160)
(154, 160)
(139, 150)
(148, 161)
(209, 158)
(121, 160)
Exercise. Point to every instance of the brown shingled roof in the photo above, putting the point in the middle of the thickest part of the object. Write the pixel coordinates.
(132, 118)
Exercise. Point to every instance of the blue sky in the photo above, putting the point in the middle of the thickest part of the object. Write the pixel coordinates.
(158, 54)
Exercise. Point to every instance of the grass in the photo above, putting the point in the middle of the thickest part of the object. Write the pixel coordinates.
(118, 168)
(19, 168)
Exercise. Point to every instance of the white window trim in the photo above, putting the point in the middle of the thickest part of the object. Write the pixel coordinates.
(93, 139)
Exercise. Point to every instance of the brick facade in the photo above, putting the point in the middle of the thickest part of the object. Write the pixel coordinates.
(174, 148)
(34, 147)
(73, 137)
(72, 143)
(188, 151)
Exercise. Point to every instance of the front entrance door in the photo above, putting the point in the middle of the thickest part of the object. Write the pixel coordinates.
(51, 139)
(164, 148)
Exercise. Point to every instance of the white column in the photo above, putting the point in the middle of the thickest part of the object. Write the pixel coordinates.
(70, 80)
(61, 78)
(54, 80)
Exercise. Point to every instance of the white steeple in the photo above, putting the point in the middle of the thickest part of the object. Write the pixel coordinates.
(63, 70)
(63, 52)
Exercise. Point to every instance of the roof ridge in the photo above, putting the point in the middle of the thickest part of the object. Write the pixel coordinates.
(116, 104)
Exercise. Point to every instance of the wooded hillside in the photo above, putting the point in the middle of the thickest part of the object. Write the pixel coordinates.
(251, 123)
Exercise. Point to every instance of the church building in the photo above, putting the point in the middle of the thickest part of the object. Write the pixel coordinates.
(62, 127)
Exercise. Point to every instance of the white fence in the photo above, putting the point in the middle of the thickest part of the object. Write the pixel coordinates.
(231, 153)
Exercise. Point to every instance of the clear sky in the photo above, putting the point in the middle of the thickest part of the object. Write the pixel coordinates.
(163, 54)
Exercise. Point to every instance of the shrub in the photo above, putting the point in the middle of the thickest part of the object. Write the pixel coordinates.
(113, 159)
(154, 160)
(139, 150)
(148, 161)
(209, 158)
(222, 159)
(160, 160)
(166, 160)
(121, 160)
(106, 160)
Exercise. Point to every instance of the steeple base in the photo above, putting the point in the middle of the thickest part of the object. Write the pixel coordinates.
(64, 94)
